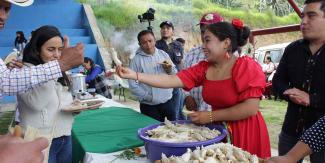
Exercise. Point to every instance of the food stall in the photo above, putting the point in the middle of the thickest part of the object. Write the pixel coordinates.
(110, 129)
(112, 133)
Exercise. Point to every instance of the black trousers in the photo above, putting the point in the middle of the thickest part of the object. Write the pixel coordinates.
(160, 111)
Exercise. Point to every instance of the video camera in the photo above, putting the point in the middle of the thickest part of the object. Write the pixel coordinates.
(148, 16)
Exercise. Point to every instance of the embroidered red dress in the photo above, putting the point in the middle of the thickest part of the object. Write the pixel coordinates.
(247, 81)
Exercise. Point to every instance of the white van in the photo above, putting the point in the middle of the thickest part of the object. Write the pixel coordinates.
(276, 52)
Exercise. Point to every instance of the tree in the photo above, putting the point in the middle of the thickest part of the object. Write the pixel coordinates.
(279, 7)
(228, 3)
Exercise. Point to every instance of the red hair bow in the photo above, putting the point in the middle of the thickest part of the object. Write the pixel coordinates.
(237, 23)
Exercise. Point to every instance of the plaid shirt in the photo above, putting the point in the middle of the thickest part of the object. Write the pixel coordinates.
(18, 80)
(194, 56)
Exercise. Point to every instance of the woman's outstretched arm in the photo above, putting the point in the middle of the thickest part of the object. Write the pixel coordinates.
(160, 81)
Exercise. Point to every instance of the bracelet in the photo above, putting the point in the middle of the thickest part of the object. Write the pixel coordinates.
(210, 116)
(137, 80)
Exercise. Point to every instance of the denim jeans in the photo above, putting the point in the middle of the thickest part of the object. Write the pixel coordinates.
(286, 142)
(178, 102)
(61, 150)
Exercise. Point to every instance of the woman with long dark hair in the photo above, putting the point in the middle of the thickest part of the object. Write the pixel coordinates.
(41, 106)
(20, 41)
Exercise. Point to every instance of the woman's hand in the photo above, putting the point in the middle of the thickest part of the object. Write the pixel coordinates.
(190, 103)
(126, 73)
(279, 159)
(200, 117)
(15, 64)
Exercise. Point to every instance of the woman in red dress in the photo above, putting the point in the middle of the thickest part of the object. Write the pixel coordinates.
(232, 86)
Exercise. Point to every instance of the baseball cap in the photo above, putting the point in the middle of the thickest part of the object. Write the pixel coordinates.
(210, 18)
(21, 2)
(168, 23)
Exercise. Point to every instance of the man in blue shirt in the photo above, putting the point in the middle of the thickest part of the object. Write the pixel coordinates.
(154, 102)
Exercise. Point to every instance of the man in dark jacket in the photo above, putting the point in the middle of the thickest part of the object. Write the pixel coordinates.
(172, 47)
(300, 78)
(176, 52)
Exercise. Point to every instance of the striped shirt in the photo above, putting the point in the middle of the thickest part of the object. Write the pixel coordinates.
(19, 80)
(194, 56)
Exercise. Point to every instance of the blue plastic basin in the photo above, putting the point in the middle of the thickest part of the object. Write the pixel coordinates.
(155, 148)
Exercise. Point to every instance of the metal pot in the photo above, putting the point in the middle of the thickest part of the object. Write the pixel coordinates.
(78, 84)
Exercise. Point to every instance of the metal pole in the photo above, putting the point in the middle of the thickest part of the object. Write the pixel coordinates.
(283, 29)
(274, 30)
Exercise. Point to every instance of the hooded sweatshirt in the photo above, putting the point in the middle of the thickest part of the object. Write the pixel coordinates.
(150, 64)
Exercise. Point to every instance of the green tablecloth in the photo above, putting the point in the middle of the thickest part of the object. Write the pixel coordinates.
(107, 130)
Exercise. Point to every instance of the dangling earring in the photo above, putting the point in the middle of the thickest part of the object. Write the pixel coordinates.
(227, 56)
